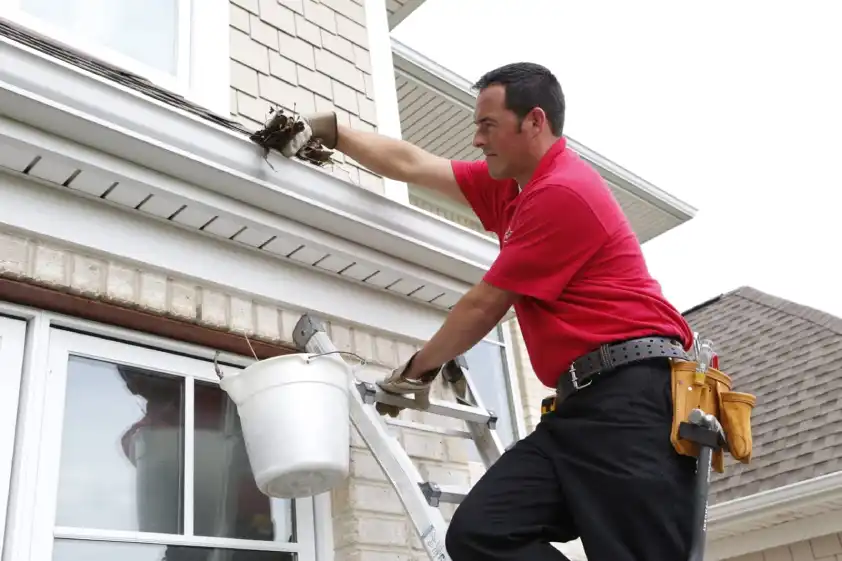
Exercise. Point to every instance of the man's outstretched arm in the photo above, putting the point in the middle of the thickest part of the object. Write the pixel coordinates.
(392, 158)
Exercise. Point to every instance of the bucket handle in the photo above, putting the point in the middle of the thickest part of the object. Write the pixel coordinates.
(355, 355)
(362, 363)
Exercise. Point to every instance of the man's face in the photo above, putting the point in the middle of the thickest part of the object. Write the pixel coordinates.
(498, 135)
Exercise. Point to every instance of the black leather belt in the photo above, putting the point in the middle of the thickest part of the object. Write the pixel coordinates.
(608, 357)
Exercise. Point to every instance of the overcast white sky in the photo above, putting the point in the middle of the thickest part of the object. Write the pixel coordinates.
(734, 107)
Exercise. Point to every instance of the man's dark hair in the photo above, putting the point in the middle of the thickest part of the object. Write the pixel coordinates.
(529, 85)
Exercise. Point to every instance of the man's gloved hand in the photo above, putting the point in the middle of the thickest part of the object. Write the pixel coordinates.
(397, 383)
(309, 137)
(318, 126)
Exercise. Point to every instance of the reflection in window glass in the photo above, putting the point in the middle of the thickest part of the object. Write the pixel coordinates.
(228, 503)
(68, 550)
(121, 455)
(486, 363)
(146, 31)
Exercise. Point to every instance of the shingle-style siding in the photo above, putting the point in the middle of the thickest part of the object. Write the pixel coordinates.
(304, 56)
(825, 548)
(789, 356)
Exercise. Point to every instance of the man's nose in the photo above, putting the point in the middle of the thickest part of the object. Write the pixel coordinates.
(479, 140)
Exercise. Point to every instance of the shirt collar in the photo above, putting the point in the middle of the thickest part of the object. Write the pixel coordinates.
(545, 164)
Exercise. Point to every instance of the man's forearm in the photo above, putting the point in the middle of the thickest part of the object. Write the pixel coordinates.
(469, 321)
(381, 154)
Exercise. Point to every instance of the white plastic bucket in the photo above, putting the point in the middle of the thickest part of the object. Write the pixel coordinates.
(295, 419)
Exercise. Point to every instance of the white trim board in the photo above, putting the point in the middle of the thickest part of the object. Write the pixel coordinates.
(64, 100)
(103, 230)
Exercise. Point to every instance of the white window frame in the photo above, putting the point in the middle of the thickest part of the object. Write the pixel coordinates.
(203, 51)
(511, 377)
(12, 339)
(35, 469)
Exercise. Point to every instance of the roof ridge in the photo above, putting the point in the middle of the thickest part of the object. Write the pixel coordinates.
(705, 303)
(806, 313)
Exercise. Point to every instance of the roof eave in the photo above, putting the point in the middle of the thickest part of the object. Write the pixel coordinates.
(415, 66)
(731, 523)
(67, 101)
(406, 10)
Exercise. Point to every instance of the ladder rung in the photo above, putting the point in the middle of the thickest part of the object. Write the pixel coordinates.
(372, 394)
(420, 427)
(438, 494)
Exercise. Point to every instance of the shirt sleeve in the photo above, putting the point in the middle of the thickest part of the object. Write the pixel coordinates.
(481, 190)
(553, 234)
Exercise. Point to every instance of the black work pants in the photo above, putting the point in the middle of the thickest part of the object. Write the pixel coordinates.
(601, 468)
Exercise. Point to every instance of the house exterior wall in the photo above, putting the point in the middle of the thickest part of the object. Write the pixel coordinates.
(532, 391)
(825, 548)
(306, 56)
(369, 522)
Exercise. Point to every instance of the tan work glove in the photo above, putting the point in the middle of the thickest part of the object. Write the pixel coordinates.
(321, 126)
(397, 384)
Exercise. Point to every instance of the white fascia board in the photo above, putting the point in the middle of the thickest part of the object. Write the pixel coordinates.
(416, 67)
(763, 512)
(67, 101)
(99, 229)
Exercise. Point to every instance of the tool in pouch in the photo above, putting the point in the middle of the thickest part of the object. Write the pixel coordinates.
(697, 384)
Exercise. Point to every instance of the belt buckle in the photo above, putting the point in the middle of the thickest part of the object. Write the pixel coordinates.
(575, 379)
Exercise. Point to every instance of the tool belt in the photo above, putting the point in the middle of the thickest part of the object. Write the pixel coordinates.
(709, 391)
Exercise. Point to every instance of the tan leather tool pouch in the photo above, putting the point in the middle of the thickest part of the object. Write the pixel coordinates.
(711, 392)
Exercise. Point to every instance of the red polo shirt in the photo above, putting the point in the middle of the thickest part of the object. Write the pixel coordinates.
(568, 249)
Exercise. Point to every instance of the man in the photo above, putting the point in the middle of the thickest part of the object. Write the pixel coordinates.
(601, 467)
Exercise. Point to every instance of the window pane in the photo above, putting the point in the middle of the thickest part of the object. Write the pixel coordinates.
(494, 335)
(146, 31)
(227, 501)
(70, 550)
(121, 455)
(486, 362)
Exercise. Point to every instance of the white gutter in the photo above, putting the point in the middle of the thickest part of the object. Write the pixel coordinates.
(416, 67)
(775, 518)
(775, 506)
(64, 100)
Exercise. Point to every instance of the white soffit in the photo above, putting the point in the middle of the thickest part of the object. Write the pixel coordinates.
(114, 218)
(436, 110)
(86, 172)
(399, 10)
(114, 120)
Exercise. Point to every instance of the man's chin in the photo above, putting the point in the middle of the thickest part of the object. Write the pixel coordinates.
(496, 173)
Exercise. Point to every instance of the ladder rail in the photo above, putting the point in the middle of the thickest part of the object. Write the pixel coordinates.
(487, 441)
(429, 523)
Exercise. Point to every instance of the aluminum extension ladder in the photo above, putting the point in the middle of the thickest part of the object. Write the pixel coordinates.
(420, 498)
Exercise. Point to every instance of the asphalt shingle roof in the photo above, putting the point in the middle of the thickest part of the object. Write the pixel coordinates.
(790, 357)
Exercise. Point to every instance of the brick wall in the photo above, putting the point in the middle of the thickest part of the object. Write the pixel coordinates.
(304, 55)
(532, 391)
(825, 548)
(369, 520)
